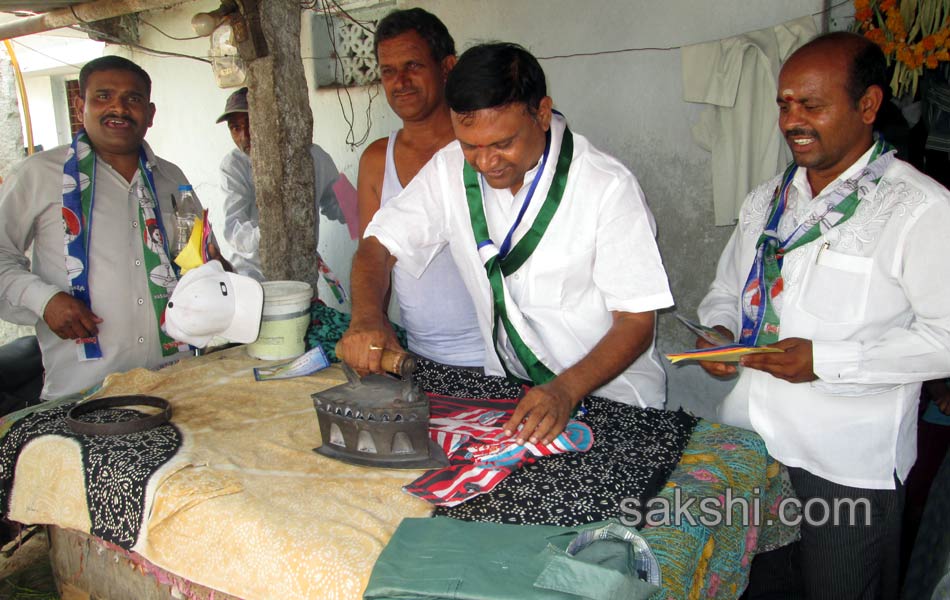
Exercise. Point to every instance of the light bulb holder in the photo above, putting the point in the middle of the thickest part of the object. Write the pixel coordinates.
(205, 23)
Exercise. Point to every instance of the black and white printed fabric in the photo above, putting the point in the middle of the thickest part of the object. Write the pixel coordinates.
(116, 468)
(635, 450)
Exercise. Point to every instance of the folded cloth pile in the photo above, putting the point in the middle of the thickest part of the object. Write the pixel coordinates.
(116, 469)
(439, 559)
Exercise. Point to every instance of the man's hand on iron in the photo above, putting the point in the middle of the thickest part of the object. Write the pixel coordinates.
(717, 369)
(794, 365)
(362, 345)
(545, 411)
(70, 318)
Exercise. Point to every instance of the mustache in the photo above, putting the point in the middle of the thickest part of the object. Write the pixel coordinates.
(802, 132)
(119, 117)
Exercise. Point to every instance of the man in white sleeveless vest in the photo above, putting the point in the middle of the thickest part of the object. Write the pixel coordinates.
(841, 263)
(415, 54)
(552, 238)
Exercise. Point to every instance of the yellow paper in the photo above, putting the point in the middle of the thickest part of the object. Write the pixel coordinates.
(725, 354)
(191, 255)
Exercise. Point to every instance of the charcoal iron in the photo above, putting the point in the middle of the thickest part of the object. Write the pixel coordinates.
(378, 420)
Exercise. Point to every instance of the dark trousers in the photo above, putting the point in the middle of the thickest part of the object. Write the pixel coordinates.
(849, 561)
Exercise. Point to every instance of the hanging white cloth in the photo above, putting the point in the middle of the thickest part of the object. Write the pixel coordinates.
(738, 77)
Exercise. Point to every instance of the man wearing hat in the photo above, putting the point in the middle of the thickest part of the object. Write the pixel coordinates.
(241, 228)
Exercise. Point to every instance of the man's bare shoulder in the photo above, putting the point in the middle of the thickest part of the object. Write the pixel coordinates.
(373, 159)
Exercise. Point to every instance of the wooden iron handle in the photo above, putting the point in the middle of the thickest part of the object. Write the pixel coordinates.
(393, 361)
(398, 363)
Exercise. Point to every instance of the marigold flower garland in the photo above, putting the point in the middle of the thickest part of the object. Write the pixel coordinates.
(913, 34)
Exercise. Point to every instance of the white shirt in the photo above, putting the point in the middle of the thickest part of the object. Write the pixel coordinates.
(873, 295)
(31, 205)
(598, 255)
(435, 307)
(738, 76)
(241, 216)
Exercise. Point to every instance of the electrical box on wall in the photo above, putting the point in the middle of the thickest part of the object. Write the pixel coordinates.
(316, 49)
(228, 67)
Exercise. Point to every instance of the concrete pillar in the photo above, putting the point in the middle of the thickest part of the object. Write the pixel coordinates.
(281, 134)
(11, 131)
(11, 153)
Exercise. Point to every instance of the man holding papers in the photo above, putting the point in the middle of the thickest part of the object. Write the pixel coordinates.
(840, 262)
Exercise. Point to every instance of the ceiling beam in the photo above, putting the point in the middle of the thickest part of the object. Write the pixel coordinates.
(78, 13)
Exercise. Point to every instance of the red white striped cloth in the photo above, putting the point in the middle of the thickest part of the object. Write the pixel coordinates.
(480, 453)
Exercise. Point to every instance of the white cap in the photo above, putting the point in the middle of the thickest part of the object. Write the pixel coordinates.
(209, 302)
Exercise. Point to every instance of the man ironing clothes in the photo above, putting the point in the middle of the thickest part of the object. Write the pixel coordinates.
(552, 238)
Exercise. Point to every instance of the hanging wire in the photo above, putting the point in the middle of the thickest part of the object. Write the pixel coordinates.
(86, 27)
(316, 7)
(350, 17)
(24, 101)
(169, 36)
(329, 8)
(18, 42)
(662, 48)
(348, 110)
(152, 51)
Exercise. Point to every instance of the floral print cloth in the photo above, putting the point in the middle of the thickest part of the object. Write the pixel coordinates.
(709, 557)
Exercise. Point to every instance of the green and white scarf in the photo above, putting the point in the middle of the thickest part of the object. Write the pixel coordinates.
(540, 366)
(764, 285)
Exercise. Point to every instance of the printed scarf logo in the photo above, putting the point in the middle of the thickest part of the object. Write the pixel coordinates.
(761, 295)
(501, 263)
(79, 172)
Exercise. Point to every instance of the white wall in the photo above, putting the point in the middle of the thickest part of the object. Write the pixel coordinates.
(42, 112)
(628, 104)
(46, 60)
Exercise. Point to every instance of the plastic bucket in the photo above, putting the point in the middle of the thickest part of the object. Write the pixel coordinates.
(284, 320)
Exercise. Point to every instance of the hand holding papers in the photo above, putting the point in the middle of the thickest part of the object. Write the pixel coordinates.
(722, 350)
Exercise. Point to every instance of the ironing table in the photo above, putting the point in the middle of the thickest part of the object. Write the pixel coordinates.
(244, 508)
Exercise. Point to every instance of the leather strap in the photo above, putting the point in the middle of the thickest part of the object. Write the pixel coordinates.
(142, 423)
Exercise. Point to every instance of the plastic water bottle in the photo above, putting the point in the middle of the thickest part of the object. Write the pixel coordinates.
(187, 211)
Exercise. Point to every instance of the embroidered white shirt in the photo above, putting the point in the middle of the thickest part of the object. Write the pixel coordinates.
(873, 295)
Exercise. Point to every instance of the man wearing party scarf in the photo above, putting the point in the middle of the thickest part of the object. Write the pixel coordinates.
(552, 239)
(841, 262)
(98, 299)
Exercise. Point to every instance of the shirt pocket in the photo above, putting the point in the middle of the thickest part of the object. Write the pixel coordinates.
(835, 288)
(558, 280)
